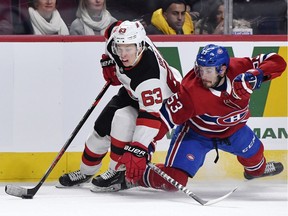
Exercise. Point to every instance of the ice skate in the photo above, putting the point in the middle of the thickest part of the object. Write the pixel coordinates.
(272, 168)
(75, 178)
(110, 181)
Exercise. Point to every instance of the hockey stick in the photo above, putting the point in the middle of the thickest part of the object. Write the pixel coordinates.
(186, 190)
(29, 193)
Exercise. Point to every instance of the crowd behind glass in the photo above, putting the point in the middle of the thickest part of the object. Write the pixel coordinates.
(257, 17)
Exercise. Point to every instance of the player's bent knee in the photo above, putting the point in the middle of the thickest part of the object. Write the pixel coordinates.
(124, 123)
(97, 144)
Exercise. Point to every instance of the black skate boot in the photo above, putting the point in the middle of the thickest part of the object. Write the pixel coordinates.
(110, 181)
(272, 168)
(75, 178)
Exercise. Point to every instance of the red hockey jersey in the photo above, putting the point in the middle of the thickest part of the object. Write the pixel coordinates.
(217, 114)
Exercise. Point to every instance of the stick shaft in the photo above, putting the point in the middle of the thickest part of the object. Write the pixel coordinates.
(34, 190)
(186, 190)
(75, 132)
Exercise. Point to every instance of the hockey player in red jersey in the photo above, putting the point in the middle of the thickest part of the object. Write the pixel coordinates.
(211, 110)
(131, 119)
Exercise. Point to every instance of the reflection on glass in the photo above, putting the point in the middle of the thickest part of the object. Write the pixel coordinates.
(208, 16)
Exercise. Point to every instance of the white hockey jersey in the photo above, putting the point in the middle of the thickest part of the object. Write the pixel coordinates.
(149, 82)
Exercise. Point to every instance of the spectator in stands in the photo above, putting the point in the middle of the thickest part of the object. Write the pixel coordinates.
(194, 14)
(5, 27)
(212, 19)
(92, 18)
(12, 22)
(172, 18)
(46, 19)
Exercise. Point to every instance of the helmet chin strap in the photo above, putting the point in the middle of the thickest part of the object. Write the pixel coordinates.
(138, 55)
(219, 78)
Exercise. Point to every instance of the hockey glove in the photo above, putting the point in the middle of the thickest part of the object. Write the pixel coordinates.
(135, 159)
(244, 84)
(109, 70)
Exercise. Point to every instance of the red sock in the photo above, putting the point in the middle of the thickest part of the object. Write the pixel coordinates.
(152, 179)
(254, 165)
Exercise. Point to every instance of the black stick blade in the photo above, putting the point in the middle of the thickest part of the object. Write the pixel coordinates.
(18, 191)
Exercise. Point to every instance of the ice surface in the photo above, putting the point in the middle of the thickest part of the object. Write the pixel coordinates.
(260, 197)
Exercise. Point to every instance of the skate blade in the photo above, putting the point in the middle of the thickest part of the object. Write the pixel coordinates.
(112, 188)
(82, 185)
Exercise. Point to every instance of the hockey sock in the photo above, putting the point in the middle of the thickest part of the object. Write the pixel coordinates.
(117, 150)
(255, 165)
(152, 179)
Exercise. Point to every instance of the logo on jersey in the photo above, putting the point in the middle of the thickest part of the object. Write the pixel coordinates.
(228, 120)
(233, 118)
(190, 157)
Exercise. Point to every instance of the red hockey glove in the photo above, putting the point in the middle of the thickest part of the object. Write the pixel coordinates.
(244, 84)
(109, 70)
(135, 160)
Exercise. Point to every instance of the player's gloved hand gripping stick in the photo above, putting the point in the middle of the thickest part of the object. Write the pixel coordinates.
(244, 84)
(135, 159)
(29, 193)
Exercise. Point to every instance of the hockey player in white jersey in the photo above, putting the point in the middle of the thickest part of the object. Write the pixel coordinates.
(133, 61)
